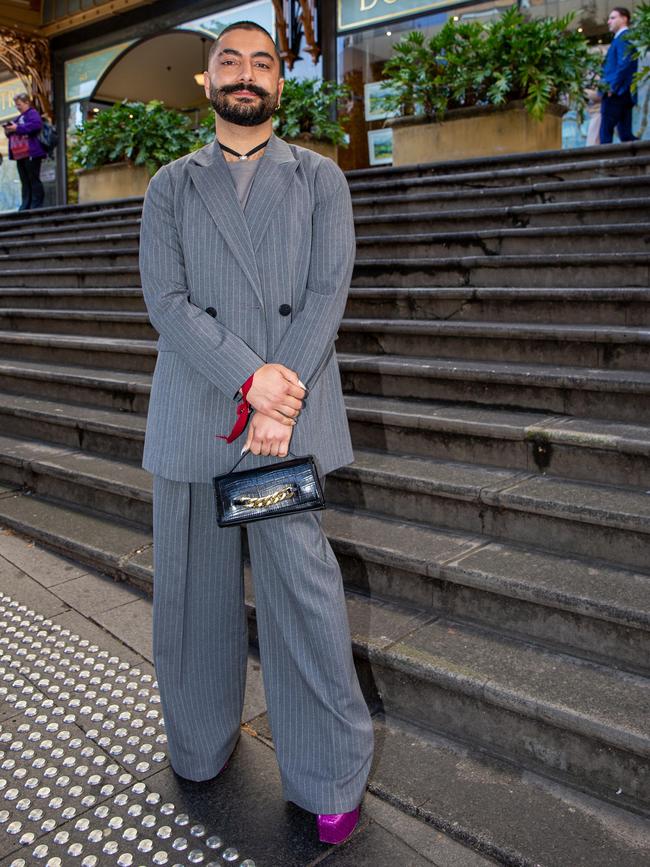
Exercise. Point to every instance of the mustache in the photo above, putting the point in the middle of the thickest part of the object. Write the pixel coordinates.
(253, 88)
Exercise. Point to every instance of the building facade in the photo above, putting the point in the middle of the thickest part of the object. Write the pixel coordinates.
(103, 51)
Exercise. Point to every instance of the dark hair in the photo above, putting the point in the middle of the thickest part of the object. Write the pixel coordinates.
(624, 12)
(241, 25)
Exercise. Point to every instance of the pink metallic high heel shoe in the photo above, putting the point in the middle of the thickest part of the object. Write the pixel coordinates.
(337, 827)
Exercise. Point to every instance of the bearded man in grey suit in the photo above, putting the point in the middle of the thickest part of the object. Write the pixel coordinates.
(247, 249)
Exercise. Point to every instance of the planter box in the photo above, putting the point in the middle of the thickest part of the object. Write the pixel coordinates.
(324, 148)
(116, 181)
(476, 132)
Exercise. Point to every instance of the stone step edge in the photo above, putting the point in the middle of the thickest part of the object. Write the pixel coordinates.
(75, 209)
(474, 293)
(123, 380)
(553, 428)
(97, 238)
(509, 699)
(535, 188)
(81, 315)
(599, 230)
(601, 153)
(490, 330)
(135, 491)
(88, 343)
(499, 495)
(533, 209)
(532, 375)
(500, 770)
(476, 176)
(97, 225)
(571, 293)
(498, 261)
(588, 333)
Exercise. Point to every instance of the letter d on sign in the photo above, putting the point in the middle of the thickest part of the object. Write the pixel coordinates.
(365, 5)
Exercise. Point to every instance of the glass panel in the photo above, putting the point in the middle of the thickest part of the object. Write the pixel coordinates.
(83, 73)
(261, 12)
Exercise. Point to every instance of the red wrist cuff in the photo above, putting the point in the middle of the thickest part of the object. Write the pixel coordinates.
(243, 411)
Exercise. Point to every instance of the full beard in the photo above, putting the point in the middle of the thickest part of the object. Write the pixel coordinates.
(251, 113)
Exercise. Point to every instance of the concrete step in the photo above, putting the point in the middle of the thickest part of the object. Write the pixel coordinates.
(74, 243)
(575, 518)
(461, 197)
(616, 306)
(90, 276)
(107, 352)
(127, 220)
(489, 176)
(574, 448)
(529, 271)
(602, 394)
(70, 214)
(598, 158)
(119, 255)
(45, 298)
(590, 610)
(106, 432)
(607, 347)
(128, 325)
(624, 238)
(575, 721)
(120, 489)
(118, 390)
(519, 818)
(573, 214)
(574, 270)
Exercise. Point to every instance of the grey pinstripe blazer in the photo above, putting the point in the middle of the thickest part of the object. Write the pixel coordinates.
(293, 244)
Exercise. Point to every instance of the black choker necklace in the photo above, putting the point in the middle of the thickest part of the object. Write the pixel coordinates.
(247, 155)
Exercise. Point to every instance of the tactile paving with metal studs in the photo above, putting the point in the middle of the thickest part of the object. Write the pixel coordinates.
(81, 732)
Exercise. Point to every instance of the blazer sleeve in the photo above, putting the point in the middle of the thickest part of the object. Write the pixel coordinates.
(622, 72)
(203, 342)
(309, 340)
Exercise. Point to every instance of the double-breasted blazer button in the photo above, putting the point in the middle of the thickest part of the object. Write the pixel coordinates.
(211, 312)
(284, 309)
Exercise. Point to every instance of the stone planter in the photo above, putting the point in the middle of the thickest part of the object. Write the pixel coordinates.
(324, 148)
(115, 181)
(476, 132)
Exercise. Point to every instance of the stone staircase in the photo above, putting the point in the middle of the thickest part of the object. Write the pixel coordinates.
(493, 530)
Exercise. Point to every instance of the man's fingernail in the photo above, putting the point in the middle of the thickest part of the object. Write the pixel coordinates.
(244, 450)
(302, 384)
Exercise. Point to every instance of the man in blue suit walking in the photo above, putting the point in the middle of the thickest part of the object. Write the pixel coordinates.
(618, 70)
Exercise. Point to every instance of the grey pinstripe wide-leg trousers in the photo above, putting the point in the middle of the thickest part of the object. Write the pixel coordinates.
(320, 722)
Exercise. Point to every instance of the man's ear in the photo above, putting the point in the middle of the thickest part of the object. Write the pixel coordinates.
(206, 84)
(280, 89)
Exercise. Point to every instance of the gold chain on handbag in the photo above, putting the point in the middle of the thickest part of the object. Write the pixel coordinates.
(269, 500)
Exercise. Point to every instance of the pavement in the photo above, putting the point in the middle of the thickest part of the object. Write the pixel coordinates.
(84, 777)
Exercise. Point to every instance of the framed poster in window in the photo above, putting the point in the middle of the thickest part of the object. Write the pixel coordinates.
(380, 147)
(373, 92)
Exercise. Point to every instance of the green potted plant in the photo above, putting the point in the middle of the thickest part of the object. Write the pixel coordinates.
(477, 89)
(307, 115)
(119, 149)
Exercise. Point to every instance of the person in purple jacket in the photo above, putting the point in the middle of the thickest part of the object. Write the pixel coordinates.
(26, 148)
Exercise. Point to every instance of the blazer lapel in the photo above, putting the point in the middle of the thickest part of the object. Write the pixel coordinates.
(211, 177)
(271, 182)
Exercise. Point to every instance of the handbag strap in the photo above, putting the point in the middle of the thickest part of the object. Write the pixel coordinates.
(248, 452)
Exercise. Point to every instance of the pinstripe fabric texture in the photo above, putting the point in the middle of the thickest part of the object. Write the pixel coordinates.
(293, 244)
(321, 725)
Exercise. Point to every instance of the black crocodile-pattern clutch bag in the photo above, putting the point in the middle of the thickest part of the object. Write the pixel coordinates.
(268, 492)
